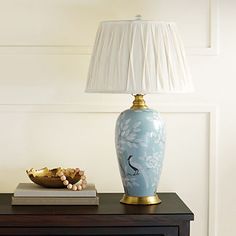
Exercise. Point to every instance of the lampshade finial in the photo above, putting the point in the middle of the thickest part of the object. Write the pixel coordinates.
(138, 17)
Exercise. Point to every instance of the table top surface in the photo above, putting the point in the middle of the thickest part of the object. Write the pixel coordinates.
(109, 205)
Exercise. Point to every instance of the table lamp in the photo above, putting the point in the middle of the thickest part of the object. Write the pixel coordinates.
(139, 57)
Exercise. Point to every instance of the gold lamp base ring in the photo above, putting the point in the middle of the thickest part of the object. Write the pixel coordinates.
(147, 200)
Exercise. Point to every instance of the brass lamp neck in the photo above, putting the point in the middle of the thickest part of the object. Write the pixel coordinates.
(138, 102)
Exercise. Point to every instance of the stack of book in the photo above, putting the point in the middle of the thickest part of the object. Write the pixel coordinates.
(32, 194)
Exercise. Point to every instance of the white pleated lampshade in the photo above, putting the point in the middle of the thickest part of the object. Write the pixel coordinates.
(138, 57)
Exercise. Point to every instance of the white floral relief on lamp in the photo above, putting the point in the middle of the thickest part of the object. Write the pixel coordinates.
(140, 148)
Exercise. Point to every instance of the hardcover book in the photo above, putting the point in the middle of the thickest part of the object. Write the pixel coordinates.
(55, 200)
(33, 190)
(32, 194)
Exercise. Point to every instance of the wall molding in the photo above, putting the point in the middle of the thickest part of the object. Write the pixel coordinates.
(212, 49)
(103, 108)
(46, 49)
(212, 194)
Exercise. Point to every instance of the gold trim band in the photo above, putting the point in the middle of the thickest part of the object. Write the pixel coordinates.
(148, 200)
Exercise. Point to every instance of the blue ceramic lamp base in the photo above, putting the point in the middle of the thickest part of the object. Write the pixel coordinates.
(140, 145)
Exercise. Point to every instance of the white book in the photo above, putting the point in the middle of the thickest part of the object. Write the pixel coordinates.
(34, 190)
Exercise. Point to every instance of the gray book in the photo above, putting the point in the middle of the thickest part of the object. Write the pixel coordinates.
(34, 190)
(55, 201)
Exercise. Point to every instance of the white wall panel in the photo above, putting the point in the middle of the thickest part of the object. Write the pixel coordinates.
(39, 136)
(70, 26)
(41, 79)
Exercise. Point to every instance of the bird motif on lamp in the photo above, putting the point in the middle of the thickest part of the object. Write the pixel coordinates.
(136, 170)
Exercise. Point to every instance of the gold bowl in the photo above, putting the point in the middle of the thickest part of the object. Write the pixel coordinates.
(50, 179)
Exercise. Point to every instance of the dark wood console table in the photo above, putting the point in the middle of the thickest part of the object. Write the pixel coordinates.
(170, 218)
